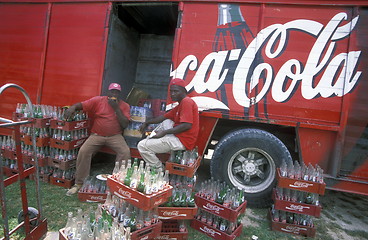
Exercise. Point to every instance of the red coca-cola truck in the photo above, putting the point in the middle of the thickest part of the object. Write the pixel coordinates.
(274, 80)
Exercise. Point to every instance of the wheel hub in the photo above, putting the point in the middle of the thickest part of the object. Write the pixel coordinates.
(249, 168)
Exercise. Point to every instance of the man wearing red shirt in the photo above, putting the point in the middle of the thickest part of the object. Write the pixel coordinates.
(178, 129)
(110, 117)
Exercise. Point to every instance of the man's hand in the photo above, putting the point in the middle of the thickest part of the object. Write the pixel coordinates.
(69, 112)
(113, 102)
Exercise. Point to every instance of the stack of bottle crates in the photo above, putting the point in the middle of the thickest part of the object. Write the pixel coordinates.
(144, 188)
(9, 158)
(67, 136)
(181, 207)
(57, 141)
(221, 209)
(296, 199)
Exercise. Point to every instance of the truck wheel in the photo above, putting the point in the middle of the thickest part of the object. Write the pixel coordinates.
(247, 159)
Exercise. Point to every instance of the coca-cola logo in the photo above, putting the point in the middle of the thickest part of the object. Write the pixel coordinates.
(213, 208)
(338, 74)
(79, 125)
(158, 202)
(299, 208)
(125, 193)
(209, 231)
(298, 184)
(97, 198)
(170, 213)
(293, 229)
(163, 237)
(143, 238)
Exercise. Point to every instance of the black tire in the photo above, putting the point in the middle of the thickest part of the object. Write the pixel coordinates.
(247, 159)
(32, 213)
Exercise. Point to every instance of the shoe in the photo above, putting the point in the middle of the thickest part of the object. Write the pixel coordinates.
(74, 189)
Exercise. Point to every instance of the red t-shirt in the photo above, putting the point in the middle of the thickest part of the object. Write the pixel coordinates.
(105, 121)
(186, 112)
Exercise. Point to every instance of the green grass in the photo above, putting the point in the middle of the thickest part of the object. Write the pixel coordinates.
(56, 205)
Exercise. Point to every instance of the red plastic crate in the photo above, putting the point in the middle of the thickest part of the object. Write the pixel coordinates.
(92, 197)
(149, 232)
(138, 199)
(170, 230)
(65, 183)
(69, 126)
(42, 162)
(295, 207)
(41, 122)
(300, 185)
(215, 233)
(66, 145)
(218, 209)
(63, 165)
(9, 154)
(183, 170)
(145, 233)
(292, 228)
(9, 171)
(42, 177)
(165, 213)
(40, 142)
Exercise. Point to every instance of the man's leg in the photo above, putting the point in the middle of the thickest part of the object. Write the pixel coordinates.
(119, 146)
(150, 146)
(83, 166)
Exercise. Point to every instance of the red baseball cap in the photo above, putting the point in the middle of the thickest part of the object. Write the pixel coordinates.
(115, 86)
(178, 82)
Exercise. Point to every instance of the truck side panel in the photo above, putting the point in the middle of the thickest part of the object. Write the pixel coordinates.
(298, 66)
(22, 38)
(76, 52)
(56, 52)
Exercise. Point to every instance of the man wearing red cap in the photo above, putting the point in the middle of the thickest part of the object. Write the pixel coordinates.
(110, 117)
(178, 129)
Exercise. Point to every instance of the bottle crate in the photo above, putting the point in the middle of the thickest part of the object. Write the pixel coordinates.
(136, 198)
(149, 232)
(300, 185)
(295, 207)
(218, 209)
(41, 122)
(63, 165)
(65, 183)
(9, 171)
(37, 122)
(66, 145)
(91, 197)
(7, 153)
(165, 213)
(183, 170)
(69, 126)
(215, 233)
(292, 228)
(170, 230)
(42, 177)
(42, 162)
(40, 142)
